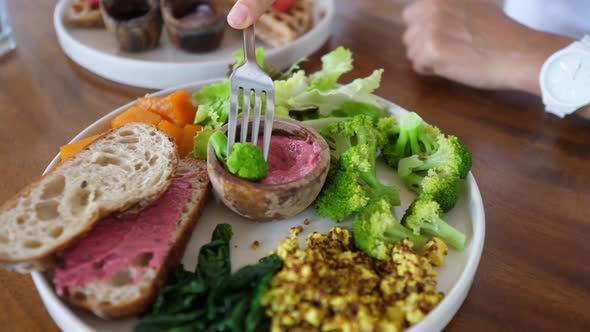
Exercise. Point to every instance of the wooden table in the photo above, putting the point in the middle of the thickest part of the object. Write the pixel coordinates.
(532, 168)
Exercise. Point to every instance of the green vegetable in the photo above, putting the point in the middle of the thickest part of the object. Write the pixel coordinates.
(214, 260)
(346, 112)
(435, 176)
(334, 65)
(291, 70)
(451, 157)
(343, 135)
(355, 108)
(439, 187)
(239, 57)
(353, 185)
(201, 141)
(287, 89)
(213, 108)
(213, 299)
(359, 90)
(219, 142)
(408, 138)
(424, 217)
(247, 162)
(375, 227)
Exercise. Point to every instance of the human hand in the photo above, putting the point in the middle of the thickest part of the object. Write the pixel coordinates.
(475, 43)
(245, 12)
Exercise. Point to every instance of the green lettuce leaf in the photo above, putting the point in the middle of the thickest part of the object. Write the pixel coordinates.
(287, 89)
(359, 90)
(213, 103)
(200, 143)
(239, 56)
(334, 65)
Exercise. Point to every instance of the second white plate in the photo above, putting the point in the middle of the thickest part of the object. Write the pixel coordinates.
(167, 66)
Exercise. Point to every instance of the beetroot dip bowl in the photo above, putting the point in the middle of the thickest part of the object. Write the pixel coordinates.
(295, 180)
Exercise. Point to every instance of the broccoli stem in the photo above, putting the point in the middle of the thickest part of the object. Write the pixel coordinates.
(400, 232)
(370, 177)
(413, 181)
(446, 232)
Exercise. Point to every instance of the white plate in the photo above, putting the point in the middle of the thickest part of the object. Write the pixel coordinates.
(167, 66)
(454, 279)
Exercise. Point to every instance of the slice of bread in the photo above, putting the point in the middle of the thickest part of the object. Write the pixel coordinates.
(83, 14)
(126, 166)
(119, 296)
(278, 29)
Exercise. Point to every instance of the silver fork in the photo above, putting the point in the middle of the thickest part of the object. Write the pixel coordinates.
(246, 78)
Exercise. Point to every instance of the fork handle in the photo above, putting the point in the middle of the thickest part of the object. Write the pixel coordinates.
(249, 46)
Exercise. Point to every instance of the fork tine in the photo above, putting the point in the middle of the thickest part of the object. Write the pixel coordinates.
(256, 118)
(268, 120)
(245, 114)
(233, 117)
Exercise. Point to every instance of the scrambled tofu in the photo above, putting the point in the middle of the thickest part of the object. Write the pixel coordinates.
(332, 286)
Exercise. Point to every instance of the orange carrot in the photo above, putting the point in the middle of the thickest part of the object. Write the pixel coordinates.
(71, 149)
(188, 139)
(172, 130)
(176, 108)
(135, 114)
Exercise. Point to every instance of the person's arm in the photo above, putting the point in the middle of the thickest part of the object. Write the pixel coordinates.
(475, 43)
(245, 12)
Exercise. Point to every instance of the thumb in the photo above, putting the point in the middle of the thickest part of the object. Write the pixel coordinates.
(245, 12)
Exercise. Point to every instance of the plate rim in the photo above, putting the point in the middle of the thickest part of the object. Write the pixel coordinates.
(436, 320)
(79, 52)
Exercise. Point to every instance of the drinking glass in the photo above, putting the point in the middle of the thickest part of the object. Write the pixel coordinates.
(7, 43)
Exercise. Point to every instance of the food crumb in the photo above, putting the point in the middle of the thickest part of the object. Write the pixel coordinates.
(307, 221)
(295, 231)
(255, 245)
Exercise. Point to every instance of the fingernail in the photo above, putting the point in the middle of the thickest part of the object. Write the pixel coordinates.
(237, 15)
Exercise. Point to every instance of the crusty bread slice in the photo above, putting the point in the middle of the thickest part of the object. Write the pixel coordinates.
(120, 296)
(278, 29)
(126, 166)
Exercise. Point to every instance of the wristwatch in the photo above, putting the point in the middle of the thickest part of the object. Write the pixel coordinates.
(565, 79)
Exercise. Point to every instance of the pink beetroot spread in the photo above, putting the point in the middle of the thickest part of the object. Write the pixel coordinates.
(289, 158)
(114, 244)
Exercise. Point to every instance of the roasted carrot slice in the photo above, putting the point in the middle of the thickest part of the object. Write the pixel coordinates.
(176, 108)
(188, 139)
(71, 149)
(135, 114)
(172, 130)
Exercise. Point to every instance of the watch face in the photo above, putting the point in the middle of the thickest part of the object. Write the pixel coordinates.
(567, 77)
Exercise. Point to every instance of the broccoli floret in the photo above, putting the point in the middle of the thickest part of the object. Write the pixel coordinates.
(438, 187)
(375, 227)
(245, 160)
(436, 176)
(343, 135)
(410, 137)
(424, 217)
(451, 157)
(352, 184)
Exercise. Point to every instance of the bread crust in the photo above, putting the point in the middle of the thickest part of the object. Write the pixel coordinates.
(46, 260)
(142, 303)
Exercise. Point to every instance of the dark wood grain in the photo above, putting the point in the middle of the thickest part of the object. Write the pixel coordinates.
(533, 169)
